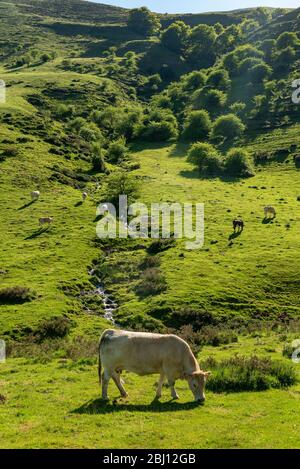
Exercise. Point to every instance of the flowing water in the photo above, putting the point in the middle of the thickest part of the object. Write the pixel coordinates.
(109, 304)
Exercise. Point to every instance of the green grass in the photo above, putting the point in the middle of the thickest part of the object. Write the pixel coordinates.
(58, 404)
(253, 276)
(244, 276)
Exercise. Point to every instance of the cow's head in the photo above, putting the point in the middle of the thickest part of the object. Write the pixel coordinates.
(197, 381)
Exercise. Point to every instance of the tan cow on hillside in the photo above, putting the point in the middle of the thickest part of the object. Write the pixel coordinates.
(146, 353)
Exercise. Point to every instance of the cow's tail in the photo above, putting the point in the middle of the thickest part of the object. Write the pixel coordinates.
(99, 368)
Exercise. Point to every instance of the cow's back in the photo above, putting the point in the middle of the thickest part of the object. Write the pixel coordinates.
(141, 352)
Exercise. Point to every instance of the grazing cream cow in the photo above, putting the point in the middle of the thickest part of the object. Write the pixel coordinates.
(269, 210)
(35, 195)
(146, 353)
(45, 221)
(84, 196)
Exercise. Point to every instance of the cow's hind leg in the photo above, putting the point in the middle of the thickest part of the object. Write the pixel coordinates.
(160, 385)
(117, 379)
(105, 380)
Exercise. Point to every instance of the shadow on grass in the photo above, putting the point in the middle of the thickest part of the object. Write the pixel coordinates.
(26, 205)
(235, 235)
(78, 204)
(38, 232)
(266, 221)
(100, 406)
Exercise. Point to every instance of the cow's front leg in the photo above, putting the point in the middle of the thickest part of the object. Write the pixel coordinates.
(117, 379)
(105, 380)
(160, 385)
(173, 390)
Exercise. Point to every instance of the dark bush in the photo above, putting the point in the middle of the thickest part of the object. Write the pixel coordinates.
(297, 161)
(160, 245)
(150, 262)
(11, 151)
(153, 282)
(216, 336)
(56, 327)
(193, 317)
(15, 295)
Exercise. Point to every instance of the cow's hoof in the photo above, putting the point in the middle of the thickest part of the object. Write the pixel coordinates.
(158, 396)
(175, 397)
(106, 399)
(124, 395)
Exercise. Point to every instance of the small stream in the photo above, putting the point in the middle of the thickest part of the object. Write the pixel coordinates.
(109, 304)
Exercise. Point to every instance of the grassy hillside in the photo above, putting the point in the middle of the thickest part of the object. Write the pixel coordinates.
(90, 100)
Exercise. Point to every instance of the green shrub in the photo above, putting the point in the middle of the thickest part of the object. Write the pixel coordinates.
(193, 81)
(159, 125)
(121, 183)
(16, 295)
(143, 21)
(287, 39)
(116, 151)
(98, 158)
(239, 373)
(206, 157)
(212, 100)
(191, 316)
(216, 336)
(152, 282)
(90, 133)
(150, 262)
(55, 327)
(157, 131)
(228, 127)
(175, 37)
(260, 72)
(219, 79)
(237, 163)
(11, 151)
(160, 245)
(197, 126)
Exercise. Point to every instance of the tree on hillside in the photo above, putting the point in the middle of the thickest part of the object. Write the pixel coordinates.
(202, 40)
(197, 126)
(260, 72)
(262, 14)
(287, 39)
(211, 100)
(175, 37)
(206, 157)
(230, 38)
(194, 80)
(268, 47)
(219, 79)
(232, 60)
(237, 163)
(143, 21)
(159, 125)
(285, 58)
(228, 127)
